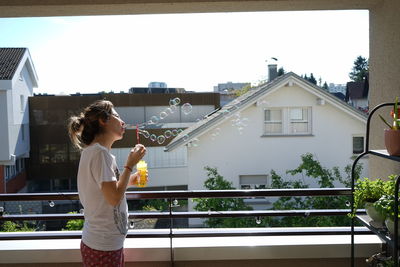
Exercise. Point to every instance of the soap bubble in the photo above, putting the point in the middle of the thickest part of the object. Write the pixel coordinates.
(179, 131)
(174, 102)
(258, 220)
(175, 202)
(153, 137)
(264, 103)
(168, 133)
(51, 203)
(169, 110)
(163, 115)
(187, 108)
(173, 108)
(144, 133)
(153, 120)
(81, 211)
(161, 139)
(215, 133)
(185, 137)
(131, 224)
(174, 132)
(194, 142)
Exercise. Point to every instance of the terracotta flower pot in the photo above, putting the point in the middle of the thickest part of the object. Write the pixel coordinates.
(392, 142)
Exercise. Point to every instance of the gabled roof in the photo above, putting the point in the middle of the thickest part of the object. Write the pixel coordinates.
(9, 61)
(252, 97)
(357, 90)
(339, 95)
(12, 61)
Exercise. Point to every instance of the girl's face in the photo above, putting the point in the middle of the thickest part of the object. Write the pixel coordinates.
(115, 126)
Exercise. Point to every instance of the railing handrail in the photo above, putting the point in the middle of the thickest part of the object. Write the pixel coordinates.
(188, 194)
(184, 214)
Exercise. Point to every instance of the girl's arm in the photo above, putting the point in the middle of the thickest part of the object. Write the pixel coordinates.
(115, 190)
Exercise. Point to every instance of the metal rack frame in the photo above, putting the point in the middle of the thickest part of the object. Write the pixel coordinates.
(392, 241)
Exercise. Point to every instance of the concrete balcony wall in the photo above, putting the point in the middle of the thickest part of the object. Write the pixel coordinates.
(299, 251)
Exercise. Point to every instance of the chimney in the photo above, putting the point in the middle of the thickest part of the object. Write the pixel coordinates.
(272, 72)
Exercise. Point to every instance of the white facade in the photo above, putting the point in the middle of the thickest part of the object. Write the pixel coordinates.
(251, 153)
(14, 112)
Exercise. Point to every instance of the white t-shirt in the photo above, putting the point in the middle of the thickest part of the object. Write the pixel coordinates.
(105, 226)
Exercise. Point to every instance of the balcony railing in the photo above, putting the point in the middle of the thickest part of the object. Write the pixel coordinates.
(171, 214)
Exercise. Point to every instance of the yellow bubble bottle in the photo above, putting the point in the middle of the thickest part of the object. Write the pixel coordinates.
(142, 169)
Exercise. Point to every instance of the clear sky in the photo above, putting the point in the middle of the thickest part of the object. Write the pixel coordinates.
(191, 51)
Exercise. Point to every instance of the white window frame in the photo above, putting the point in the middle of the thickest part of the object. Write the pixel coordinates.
(287, 121)
(253, 185)
(266, 122)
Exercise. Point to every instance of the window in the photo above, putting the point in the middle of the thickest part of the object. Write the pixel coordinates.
(22, 102)
(23, 132)
(287, 121)
(53, 153)
(11, 171)
(358, 144)
(253, 181)
(273, 121)
(155, 157)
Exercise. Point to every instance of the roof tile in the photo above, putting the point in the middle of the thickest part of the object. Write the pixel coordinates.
(9, 61)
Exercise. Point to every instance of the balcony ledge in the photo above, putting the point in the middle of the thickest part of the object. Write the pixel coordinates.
(197, 248)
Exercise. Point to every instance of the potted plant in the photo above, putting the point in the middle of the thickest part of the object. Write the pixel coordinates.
(392, 135)
(385, 206)
(367, 192)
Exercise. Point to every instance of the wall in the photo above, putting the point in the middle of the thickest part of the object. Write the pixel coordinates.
(173, 172)
(4, 147)
(16, 183)
(19, 141)
(2, 178)
(237, 154)
(384, 74)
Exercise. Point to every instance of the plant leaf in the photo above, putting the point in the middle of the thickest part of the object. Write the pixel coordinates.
(390, 126)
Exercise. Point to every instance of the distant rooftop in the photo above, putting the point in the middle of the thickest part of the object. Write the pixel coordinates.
(156, 90)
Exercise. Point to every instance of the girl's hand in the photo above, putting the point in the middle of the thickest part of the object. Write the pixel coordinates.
(136, 154)
(135, 178)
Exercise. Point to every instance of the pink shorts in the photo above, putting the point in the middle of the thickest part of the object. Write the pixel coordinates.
(99, 258)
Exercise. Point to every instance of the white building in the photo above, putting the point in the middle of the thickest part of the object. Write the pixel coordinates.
(270, 128)
(17, 80)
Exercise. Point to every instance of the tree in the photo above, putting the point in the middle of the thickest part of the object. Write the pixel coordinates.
(216, 182)
(9, 226)
(281, 71)
(325, 86)
(325, 177)
(242, 91)
(360, 69)
(73, 225)
(312, 79)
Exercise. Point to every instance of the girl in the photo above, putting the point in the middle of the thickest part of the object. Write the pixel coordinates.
(100, 185)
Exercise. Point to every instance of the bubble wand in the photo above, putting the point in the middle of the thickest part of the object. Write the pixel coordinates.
(137, 133)
(142, 165)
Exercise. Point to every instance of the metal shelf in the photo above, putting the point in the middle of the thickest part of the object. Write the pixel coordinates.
(383, 154)
(379, 230)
